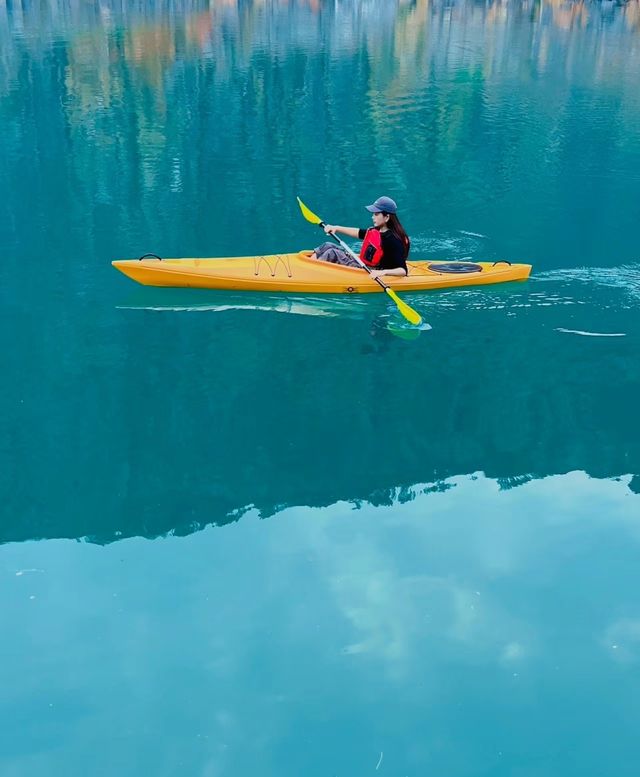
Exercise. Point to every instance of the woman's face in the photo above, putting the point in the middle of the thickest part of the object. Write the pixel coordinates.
(379, 219)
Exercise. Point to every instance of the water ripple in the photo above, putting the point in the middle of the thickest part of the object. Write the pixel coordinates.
(625, 276)
(590, 334)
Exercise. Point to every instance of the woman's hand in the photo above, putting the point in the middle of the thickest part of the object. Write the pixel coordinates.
(398, 272)
(330, 229)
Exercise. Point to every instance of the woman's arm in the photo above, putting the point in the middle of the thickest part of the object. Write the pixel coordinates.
(350, 231)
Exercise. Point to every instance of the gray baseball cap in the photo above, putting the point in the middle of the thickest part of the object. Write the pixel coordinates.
(383, 204)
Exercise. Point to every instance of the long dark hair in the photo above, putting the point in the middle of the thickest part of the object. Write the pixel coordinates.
(398, 230)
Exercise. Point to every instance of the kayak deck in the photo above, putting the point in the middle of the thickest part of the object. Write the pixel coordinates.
(296, 272)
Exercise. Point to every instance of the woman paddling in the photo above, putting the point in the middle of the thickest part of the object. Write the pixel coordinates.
(385, 246)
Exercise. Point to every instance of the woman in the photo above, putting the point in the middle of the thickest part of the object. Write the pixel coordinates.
(385, 246)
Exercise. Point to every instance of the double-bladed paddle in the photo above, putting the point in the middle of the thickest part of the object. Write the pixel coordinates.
(408, 312)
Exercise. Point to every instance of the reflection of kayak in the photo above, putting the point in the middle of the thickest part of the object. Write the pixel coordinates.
(215, 301)
(298, 273)
(169, 300)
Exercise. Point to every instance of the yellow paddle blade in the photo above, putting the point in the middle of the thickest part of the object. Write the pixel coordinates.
(309, 215)
(408, 312)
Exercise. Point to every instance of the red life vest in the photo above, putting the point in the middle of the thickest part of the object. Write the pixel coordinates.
(371, 251)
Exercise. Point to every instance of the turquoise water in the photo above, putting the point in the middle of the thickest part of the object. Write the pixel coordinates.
(254, 535)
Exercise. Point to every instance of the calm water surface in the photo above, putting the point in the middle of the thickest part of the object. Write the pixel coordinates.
(265, 536)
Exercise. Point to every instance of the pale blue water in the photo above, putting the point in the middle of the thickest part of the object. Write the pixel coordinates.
(261, 535)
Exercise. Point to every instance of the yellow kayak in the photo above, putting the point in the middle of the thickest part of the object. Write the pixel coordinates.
(298, 273)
